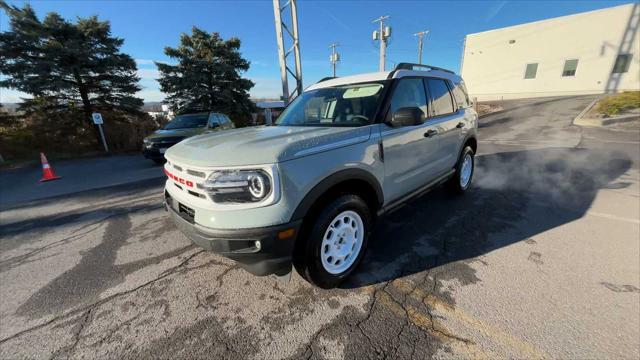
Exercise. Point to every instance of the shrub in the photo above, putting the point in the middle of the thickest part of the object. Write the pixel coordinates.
(618, 103)
(66, 134)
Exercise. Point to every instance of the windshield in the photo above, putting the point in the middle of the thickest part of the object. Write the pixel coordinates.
(346, 105)
(187, 121)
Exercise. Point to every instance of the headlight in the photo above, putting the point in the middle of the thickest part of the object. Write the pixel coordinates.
(239, 186)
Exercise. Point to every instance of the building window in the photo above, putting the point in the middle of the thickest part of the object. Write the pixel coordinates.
(570, 67)
(622, 63)
(531, 71)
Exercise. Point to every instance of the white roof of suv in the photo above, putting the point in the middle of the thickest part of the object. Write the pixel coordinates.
(383, 75)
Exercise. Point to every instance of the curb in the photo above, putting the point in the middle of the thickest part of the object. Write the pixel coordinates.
(580, 121)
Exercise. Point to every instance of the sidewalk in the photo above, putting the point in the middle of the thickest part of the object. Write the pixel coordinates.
(22, 185)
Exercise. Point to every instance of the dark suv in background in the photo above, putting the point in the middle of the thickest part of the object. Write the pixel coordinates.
(180, 128)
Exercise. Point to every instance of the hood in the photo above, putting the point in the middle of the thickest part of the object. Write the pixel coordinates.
(263, 144)
(159, 134)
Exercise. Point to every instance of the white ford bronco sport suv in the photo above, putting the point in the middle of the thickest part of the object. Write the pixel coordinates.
(307, 190)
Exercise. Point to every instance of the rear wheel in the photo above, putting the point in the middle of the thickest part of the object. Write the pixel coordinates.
(461, 180)
(335, 242)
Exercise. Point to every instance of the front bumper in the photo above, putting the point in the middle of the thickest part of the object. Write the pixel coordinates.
(272, 256)
(152, 153)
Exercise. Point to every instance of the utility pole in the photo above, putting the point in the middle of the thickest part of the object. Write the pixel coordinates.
(420, 36)
(383, 34)
(292, 31)
(334, 58)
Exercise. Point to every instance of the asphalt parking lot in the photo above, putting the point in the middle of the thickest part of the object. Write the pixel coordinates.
(540, 260)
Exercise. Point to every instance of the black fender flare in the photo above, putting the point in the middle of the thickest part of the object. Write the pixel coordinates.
(466, 139)
(332, 180)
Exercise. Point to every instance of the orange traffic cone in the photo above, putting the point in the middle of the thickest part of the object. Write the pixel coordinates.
(47, 171)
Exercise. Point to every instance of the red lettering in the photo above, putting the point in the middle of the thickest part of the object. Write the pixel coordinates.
(178, 179)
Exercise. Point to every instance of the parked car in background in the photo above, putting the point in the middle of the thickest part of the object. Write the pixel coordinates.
(180, 128)
(308, 190)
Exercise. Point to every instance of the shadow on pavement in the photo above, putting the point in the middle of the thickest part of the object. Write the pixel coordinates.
(516, 195)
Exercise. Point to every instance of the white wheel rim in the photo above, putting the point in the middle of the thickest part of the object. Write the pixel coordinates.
(342, 242)
(466, 170)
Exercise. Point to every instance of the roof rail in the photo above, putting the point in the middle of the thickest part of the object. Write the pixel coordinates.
(411, 66)
(327, 78)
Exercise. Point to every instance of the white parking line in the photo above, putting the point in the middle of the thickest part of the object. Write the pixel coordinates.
(613, 217)
(611, 141)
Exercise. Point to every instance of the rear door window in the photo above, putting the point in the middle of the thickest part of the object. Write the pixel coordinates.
(225, 120)
(409, 93)
(214, 120)
(441, 99)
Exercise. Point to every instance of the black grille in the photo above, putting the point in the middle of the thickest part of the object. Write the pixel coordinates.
(186, 212)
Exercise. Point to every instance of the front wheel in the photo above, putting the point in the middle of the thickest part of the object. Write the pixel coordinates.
(336, 242)
(461, 180)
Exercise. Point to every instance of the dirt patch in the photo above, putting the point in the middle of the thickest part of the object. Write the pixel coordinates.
(484, 109)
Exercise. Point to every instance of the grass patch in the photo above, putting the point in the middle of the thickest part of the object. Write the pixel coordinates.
(619, 103)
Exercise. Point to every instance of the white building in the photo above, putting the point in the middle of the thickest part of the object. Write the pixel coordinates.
(587, 53)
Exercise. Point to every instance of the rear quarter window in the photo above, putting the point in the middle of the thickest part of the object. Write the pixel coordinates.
(460, 94)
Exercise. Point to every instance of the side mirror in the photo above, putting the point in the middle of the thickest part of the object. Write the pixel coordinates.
(407, 116)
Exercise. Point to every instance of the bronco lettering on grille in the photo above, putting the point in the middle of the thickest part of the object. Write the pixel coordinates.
(178, 179)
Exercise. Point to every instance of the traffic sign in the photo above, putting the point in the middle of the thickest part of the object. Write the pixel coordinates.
(97, 118)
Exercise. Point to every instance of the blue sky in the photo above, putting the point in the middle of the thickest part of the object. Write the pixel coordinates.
(149, 26)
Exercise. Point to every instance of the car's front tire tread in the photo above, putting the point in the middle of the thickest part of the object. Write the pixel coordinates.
(308, 262)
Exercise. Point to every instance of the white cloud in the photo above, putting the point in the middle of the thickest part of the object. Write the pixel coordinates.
(260, 63)
(151, 95)
(337, 21)
(494, 10)
(144, 62)
(11, 96)
(148, 73)
(266, 88)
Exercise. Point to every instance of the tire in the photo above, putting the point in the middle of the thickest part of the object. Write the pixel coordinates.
(460, 182)
(333, 247)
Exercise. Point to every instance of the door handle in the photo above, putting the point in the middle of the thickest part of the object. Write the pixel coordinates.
(430, 133)
(460, 125)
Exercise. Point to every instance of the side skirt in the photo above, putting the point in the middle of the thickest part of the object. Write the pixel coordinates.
(399, 203)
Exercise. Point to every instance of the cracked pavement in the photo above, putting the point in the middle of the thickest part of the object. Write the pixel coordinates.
(540, 260)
